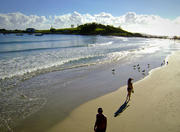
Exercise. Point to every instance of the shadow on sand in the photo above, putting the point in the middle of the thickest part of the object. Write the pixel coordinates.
(121, 109)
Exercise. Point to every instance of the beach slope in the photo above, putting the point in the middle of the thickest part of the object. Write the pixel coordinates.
(154, 107)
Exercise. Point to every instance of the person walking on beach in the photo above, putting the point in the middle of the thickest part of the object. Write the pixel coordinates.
(101, 122)
(129, 89)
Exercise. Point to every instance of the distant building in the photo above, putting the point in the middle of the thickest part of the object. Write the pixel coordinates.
(72, 26)
(30, 30)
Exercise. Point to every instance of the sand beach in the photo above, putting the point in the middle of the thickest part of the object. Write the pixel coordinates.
(154, 107)
(57, 96)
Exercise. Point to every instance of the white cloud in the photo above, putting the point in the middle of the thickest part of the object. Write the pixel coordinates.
(21, 21)
(150, 24)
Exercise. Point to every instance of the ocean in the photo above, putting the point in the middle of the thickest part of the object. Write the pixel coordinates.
(34, 68)
(27, 54)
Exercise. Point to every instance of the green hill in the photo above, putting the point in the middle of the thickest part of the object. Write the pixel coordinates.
(85, 29)
(95, 29)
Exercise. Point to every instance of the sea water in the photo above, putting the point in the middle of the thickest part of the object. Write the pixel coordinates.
(22, 55)
(24, 58)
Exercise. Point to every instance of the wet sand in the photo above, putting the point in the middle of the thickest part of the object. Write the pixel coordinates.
(64, 91)
(153, 107)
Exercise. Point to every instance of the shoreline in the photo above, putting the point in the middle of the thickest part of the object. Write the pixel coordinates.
(64, 100)
(63, 91)
(155, 102)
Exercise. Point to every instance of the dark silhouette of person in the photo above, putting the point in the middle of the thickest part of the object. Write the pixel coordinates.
(129, 89)
(101, 122)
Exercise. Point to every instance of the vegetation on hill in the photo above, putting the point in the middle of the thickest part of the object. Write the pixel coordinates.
(85, 29)
(92, 29)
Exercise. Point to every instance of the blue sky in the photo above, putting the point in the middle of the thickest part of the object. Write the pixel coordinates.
(158, 17)
(164, 8)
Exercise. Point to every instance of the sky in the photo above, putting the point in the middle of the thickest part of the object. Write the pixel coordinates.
(158, 17)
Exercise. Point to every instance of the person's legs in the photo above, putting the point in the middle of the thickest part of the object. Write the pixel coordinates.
(100, 130)
(128, 96)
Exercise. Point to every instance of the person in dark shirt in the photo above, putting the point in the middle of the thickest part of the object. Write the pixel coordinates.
(101, 122)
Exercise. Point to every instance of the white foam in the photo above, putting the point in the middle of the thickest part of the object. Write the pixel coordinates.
(19, 66)
(116, 56)
(122, 38)
(148, 50)
(100, 44)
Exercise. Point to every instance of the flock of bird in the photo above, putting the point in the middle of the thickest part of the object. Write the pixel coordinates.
(139, 68)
